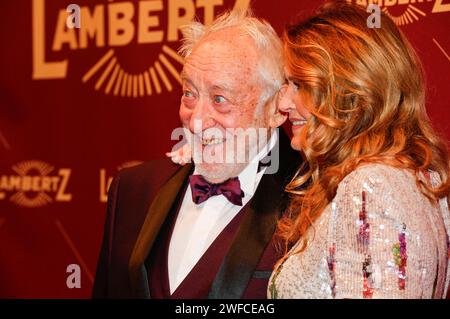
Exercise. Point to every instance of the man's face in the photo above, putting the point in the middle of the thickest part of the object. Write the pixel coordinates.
(221, 89)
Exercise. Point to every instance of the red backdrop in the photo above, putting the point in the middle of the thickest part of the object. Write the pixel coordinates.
(78, 104)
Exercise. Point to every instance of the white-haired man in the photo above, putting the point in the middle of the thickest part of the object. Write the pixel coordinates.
(206, 229)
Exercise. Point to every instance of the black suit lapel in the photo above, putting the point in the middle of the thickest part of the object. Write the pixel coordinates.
(257, 227)
(251, 240)
(156, 215)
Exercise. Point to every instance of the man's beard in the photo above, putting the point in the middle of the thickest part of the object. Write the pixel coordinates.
(227, 167)
(219, 172)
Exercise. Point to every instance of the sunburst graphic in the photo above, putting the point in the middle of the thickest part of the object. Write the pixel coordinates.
(23, 168)
(74, 250)
(4, 142)
(41, 198)
(442, 49)
(411, 14)
(113, 79)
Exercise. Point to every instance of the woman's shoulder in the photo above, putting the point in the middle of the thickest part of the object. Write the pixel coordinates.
(378, 176)
(383, 186)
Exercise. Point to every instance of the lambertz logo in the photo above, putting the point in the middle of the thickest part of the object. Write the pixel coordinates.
(407, 11)
(105, 180)
(115, 26)
(33, 185)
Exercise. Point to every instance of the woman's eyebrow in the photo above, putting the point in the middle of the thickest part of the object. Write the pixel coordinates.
(291, 79)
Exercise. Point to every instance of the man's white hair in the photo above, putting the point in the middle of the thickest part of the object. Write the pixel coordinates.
(267, 42)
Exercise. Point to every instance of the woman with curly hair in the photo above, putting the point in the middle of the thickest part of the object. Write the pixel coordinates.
(369, 212)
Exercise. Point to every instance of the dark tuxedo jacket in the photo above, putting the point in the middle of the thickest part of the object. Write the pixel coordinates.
(139, 202)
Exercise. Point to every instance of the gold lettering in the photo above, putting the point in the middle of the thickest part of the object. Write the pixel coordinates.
(35, 183)
(104, 185)
(63, 34)
(4, 183)
(378, 2)
(440, 7)
(389, 3)
(64, 173)
(92, 26)
(121, 28)
(175, 20)
(41, 68)
(45, 184)
(103, 194)
(54, 182)
(26, 183)
(15, 183)
(241, 4)
(208, 6)
(147, 21)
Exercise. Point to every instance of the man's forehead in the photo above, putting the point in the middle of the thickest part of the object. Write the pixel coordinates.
(230, 45)
(233, 35)
(219, 63)
(224, 81)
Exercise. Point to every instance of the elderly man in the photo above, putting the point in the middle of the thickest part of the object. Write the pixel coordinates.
(206, 229)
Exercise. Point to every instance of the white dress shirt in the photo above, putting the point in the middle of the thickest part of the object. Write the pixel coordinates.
(197, 226)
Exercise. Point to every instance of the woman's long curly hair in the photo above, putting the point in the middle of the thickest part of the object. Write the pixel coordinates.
(365, 90)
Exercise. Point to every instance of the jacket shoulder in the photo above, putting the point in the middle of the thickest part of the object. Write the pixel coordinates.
(154, 171)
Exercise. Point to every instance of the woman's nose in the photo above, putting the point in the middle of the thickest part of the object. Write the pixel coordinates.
(285, 103)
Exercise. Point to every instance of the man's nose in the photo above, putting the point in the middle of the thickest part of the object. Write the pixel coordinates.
(201, 118)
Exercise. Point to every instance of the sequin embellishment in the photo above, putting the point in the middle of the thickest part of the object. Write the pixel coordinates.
(363, 238)
(367, 283)
(364, 228)
(331, 268)
(400, 257)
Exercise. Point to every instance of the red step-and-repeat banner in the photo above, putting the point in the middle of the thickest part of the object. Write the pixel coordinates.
(77, 105)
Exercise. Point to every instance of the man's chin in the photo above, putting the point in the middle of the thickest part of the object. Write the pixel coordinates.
(216, 173)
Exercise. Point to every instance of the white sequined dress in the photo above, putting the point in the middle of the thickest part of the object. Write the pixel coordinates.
(380, 237)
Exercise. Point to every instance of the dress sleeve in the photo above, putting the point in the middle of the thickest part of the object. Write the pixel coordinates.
(443, 203)
(375, 247)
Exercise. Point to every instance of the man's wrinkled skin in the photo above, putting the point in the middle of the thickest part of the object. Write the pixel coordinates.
(222, 87)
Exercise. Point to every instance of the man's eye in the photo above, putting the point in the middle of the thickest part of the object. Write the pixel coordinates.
(219, 99)
(187, 93)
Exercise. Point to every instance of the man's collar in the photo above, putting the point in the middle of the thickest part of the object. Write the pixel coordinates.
(248, 176)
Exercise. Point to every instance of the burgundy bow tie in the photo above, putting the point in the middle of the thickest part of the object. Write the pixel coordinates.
(202, 189)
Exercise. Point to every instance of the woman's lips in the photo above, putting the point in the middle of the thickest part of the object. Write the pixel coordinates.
(297, 123)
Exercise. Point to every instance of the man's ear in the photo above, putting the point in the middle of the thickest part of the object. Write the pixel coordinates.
(276, 118)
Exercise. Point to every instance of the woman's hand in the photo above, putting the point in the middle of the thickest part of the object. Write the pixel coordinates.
(181, 156)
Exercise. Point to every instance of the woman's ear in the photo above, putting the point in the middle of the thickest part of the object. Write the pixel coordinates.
(275, 116)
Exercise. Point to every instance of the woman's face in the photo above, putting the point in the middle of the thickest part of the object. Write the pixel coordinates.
(291, 102)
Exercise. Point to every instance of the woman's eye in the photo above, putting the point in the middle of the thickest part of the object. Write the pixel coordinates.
(296, 85)
(219, 99)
